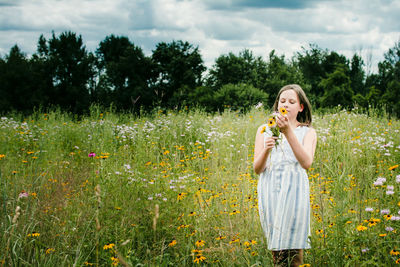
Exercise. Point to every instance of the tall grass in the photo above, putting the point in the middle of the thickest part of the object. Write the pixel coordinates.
(177, 188)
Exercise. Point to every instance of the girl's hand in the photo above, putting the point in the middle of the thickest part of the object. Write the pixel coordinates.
(270, 142)
(283, 123)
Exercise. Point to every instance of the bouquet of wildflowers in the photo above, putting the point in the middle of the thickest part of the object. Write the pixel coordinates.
(271, 122)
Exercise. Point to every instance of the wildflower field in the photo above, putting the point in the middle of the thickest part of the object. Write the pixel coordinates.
(178, 189)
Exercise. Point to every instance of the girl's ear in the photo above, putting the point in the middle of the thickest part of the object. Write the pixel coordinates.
(301, 107)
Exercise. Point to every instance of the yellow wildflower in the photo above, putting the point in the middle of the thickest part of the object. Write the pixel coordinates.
(172, 243)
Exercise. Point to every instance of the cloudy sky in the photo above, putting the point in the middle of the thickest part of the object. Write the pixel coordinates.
(216, 26)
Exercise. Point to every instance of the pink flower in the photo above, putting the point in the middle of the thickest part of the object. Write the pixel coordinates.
(92, 155)
(385, 211)
(23, 194)
(390, 192)
(369, 209)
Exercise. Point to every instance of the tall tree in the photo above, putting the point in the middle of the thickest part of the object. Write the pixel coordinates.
(16, 80)
(71, 66)
(235, 69)
(127, 73)
(178, 68)
(337, 87)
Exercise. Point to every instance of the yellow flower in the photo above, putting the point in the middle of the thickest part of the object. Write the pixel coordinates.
(263, 129)
(34, 234)
(200, 243)
(283, 111)
(198, 251)
(108, 246)
(115, 261)
(393, 167)
(50, 250)
(181, 196)
(172, 243)
(382, 235)
(305, 265)
(394, 252)
(361, 228)
(271, 122)
(192, 213)
(199, 258)
(220, 237)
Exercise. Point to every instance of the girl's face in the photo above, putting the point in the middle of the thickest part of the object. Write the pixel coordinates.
(290, 101)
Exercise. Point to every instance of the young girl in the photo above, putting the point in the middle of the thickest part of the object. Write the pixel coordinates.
(283, 188)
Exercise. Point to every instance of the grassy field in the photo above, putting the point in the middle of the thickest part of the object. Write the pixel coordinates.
(178, 189)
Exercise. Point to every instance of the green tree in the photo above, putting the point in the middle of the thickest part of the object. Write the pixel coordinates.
(357, 75)
(124, 74)
(279, 73)
(16, 82)
(71, 68)
(234, 69)
(178, 66)
(239, 97)
(337, 89)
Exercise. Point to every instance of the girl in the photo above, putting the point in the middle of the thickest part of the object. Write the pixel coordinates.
(283, 189)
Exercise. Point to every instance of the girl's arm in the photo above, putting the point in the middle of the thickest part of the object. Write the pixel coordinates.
(261, 152)
(304, 153)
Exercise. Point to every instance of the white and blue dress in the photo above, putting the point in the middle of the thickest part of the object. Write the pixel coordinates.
(284, 197)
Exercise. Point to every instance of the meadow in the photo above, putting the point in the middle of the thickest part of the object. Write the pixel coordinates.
(178, 189)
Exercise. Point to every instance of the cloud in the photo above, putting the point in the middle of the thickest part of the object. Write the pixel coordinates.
(216, 27)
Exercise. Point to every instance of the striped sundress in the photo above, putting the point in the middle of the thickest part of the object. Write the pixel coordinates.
(284, 197)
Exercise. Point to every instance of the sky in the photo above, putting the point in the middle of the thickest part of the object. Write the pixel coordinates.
(217, 27)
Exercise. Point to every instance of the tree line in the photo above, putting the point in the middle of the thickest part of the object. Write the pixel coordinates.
(63, 73)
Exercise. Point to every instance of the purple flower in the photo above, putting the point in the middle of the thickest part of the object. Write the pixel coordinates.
(390, 187)
(380, 181)
(369, 209)
(389, 192)
(398, 178)
(92, 155)
(395, 218)
(364, 250)
(386, 211)
(23, 194)
(389, 229)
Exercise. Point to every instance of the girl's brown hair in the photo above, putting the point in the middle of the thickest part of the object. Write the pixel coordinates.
(304, 117)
